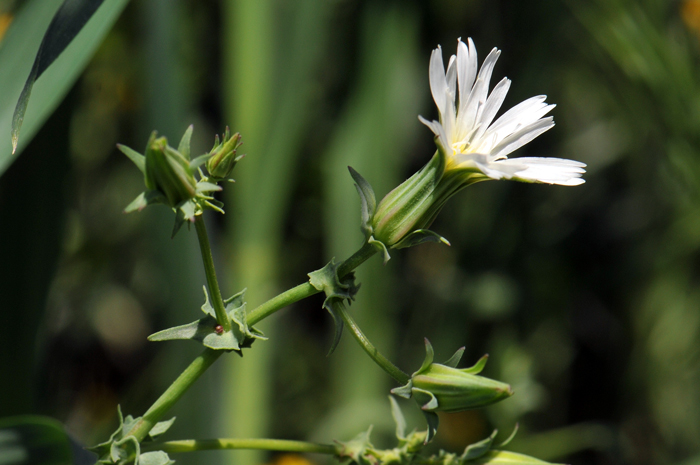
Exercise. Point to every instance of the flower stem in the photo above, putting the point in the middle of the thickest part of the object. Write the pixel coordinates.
(217, 302)
(305, 290)
(394, 371)
(193, 445)
(173, 393)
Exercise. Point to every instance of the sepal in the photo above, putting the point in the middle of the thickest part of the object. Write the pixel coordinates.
(145, 199)
(138, 159)
(380, 247)
(184, 146)
(478, 449)
(338, 291)
(420, 236)
(433, 422)
(368, 201)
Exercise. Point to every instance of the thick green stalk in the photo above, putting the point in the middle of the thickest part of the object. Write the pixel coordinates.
(210, 271)
(193, 445)
(368, 347)
(174, 392)
(305, 290)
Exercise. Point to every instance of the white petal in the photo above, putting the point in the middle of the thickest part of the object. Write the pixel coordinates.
(493, 104)
(451, 78)
(439, 132)
(470, 110)
(521, 137)
(547, 170)
(523, 114)
(438, 83)
(466, 69)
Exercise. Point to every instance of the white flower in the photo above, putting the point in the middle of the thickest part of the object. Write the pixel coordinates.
(467, 134)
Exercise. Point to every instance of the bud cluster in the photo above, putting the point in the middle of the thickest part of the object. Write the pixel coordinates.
(169, 175)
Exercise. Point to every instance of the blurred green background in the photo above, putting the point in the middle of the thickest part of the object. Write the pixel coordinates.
(587, 299)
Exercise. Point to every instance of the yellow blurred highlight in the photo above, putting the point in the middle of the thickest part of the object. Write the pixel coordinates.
(5, 21)
(290, 459)
(690, 13)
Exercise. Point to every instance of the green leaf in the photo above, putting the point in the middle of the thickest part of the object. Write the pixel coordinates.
(161, 427)
(398, 419)
(337, 291)
(17, 60)
(36, 439)
(155, 458)
(205, 331)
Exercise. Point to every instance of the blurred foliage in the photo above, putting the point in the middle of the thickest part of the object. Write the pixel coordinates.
(587, 299)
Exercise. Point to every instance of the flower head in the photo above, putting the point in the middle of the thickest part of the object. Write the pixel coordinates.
(469, 138)
(472, 147)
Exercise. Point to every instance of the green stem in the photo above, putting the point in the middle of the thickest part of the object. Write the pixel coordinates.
(210, 271)
(305, 290)
(171, 395)
(394, 371)
(209, 356)
(193, 445)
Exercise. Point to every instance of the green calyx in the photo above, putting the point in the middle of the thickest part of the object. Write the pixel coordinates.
(338, 291)
(169, 175)
(208, 331)
(222, 157)
(123, 448)
(444, 387)
(401, 218)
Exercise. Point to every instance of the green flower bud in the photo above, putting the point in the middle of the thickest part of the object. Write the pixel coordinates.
(169, 172)
(445, 388)
(223, 155)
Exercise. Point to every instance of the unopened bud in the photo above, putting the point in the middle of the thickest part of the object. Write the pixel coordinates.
(445, 388)
(223, 155)
(169, 172)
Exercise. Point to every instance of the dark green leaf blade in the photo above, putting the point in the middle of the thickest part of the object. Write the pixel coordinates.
(65, 25)
(17, 56)
(35, 439)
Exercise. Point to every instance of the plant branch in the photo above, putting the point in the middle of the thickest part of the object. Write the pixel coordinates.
(368, 347)
(171, 395)
(212, 282)
(193, 445)
(305, 290)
